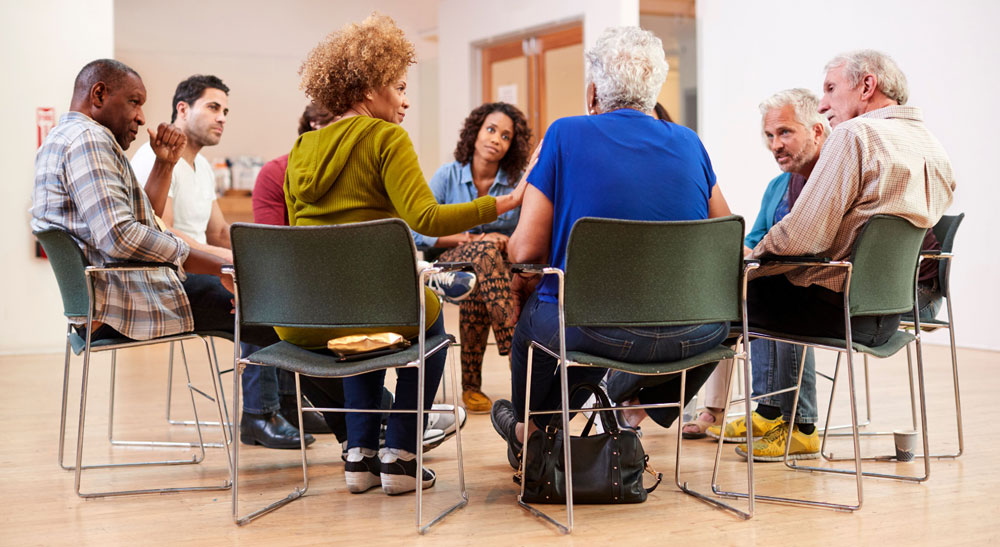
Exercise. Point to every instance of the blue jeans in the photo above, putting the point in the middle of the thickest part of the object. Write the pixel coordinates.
(775, 366)
(260, 385)
(365, 391)
(929, 301)
(539, 322)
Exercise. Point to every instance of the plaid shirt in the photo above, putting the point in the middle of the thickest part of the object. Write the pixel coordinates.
(882, 162)
(85, 185)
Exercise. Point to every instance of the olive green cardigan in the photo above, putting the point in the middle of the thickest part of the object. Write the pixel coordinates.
(359, 169)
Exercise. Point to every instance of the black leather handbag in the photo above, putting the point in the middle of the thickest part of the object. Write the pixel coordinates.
(607, 467)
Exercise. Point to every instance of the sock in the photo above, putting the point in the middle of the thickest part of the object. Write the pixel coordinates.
(769, 412)
(807, 429)
(357, 453)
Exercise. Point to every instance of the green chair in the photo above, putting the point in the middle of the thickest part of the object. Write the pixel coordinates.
(683, 273)
(76, 285)
(880, 279)
(349, 275)
(944, 231)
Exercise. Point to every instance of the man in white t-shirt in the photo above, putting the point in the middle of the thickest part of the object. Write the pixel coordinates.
(200, 107)
(189, 209)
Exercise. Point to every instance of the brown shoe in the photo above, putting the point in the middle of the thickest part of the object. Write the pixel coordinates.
(476, 402)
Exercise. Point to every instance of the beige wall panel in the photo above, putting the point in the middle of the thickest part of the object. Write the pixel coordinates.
(564, 88)
(511, 72)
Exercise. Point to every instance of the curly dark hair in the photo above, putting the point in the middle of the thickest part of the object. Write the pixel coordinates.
(356, 59)
(313, 113)
(516, 158)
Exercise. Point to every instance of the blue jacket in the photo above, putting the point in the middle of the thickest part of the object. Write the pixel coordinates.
(765, 218)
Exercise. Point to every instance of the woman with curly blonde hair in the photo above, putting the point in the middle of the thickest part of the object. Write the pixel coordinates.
(364, 167)
(493, 149)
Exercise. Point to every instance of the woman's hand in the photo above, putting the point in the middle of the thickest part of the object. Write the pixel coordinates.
(513, 200)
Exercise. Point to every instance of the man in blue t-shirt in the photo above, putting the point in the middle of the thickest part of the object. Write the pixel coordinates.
(622, 163)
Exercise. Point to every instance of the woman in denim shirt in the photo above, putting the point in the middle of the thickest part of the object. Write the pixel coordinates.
(492, 151)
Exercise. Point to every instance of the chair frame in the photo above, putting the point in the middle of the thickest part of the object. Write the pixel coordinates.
(562, 370)
(849, 350)
(299, 491)
(90, 272)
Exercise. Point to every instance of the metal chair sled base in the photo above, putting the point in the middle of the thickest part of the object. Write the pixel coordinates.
(79, 467)
(170, 381)
(300, 491)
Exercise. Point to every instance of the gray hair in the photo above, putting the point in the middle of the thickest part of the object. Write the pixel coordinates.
(627, 67)
(805, 104)
(891, 80)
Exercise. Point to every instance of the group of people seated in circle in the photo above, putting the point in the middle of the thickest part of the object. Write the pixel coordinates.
(502, 201)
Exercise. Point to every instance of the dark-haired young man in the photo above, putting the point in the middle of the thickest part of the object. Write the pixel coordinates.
(188, 205)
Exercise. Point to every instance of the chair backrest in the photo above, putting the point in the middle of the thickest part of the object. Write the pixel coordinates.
(885, 260)
(642, 273)
(68, 263)
(945, 231)
(348, 275)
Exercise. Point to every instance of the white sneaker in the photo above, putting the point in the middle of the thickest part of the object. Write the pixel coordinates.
(361, 470)
(441, 417)
(452, 286)
(399, 472)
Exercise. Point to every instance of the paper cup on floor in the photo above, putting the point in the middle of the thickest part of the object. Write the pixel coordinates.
(906, 444)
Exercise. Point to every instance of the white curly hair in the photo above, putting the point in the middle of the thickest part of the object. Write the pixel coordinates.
(627, 67)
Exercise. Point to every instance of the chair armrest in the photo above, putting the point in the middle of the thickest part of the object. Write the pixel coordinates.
(132, 266)
(454, 266)
(536, 269)
(229, 269)
(802, 260)
(936, 255)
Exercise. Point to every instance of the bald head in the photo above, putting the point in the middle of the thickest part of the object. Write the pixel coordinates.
(111, 94)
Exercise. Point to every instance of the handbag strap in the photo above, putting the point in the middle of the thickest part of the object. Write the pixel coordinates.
(607, 416)
(649, 469)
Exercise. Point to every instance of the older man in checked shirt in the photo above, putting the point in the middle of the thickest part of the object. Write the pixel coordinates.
(880, 159)
(85, 186)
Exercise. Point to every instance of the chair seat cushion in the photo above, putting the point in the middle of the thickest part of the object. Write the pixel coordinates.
(717, 353)
(897, 342)
(325, 365)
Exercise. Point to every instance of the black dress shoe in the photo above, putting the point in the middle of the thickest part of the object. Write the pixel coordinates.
(271, 431)
(313, 421)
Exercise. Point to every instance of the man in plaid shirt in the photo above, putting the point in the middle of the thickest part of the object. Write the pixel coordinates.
(85, 186)
(880, 159)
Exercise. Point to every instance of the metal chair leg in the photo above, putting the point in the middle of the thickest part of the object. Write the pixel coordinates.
(745, 377)
(79, 467)
(214, 359)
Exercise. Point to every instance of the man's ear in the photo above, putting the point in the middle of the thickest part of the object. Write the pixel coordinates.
(817, 130)
(98, 94)
(182, 109)
(869, 83)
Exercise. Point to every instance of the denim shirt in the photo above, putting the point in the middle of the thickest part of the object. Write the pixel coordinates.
(452, 183)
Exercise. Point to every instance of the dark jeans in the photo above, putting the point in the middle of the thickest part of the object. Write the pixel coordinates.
(776, 304)
(212, 307)
(365, 391)
(539, 322)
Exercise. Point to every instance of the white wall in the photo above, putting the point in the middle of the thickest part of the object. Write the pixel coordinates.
(44, 44)
(462, 25)
(256, 47)
(949, 52)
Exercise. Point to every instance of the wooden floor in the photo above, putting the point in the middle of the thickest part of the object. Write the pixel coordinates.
(959, 504)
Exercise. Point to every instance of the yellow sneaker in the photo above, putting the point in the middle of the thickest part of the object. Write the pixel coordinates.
(736, 430)
(771, 448)
(476, 402)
